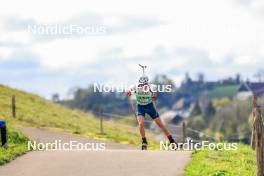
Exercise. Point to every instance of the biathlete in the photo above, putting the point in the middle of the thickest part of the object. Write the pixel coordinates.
(146, 95)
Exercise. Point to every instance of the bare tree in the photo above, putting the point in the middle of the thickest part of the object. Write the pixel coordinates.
(259, 75)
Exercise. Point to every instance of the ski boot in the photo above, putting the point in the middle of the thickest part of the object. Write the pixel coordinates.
(174, 145)
(144, 146)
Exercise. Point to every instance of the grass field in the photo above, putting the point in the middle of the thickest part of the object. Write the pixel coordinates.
(34, 111)
(224, 91)
(17, 146)
(241, 162)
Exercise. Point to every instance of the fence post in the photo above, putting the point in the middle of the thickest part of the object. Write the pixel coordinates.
(255, 105)
(183, 132)
(13, 106)
(101, 123)
(257, 136)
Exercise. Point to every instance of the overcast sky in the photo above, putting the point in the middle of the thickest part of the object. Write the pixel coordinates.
(219, 38)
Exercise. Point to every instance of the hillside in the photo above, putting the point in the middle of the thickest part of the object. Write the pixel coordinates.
(223, 91)
(35, 111)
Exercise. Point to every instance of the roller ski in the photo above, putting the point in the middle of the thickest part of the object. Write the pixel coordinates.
(144, 146)
(174, 145)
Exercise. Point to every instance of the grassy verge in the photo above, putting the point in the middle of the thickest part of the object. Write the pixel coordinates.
(17, 146)
(240, 162)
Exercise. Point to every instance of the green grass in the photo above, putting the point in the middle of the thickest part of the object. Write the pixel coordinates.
(17, 146)
(35, 111)
(224, 91)
(240, 162)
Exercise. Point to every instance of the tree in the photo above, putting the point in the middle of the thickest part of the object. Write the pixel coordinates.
(187, 79)
(55, 97)
(89, 100)
(165, 99)
(209, 111)
(200, 77)
(163, 80)
(238, 78)
(259, 75)
(196, 110)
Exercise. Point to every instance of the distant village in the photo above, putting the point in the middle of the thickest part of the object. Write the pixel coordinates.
(192, 90)
(241, 89)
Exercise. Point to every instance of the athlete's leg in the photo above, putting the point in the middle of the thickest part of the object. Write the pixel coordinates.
(141, 126)
(162, 126)
(165, 131)
(142, 132)
(152, 111)
(140, 117)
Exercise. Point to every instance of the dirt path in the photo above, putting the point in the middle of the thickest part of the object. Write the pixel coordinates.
(117, 160)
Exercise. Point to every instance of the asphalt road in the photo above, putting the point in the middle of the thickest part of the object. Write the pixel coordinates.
(116, 160)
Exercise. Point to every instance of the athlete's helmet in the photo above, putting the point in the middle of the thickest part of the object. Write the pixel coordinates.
(143, 80)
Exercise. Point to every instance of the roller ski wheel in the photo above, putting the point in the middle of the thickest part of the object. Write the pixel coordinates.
(144, 146)
(175, 146)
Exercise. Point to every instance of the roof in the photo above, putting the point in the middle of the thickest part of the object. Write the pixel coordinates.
(255, 88)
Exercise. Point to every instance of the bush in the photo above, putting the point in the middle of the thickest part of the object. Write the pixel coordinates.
(17, 146)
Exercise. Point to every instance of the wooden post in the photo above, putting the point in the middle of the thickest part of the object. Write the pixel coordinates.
(183, 132)
(255, 106)
(257, 136)
(101, 123)
(253, 140)
(13, 106)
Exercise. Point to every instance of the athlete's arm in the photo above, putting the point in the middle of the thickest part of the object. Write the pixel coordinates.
(154, 96)
(129, 94)
(131, 91)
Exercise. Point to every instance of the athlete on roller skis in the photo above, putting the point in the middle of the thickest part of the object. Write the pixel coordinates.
(146, 95)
